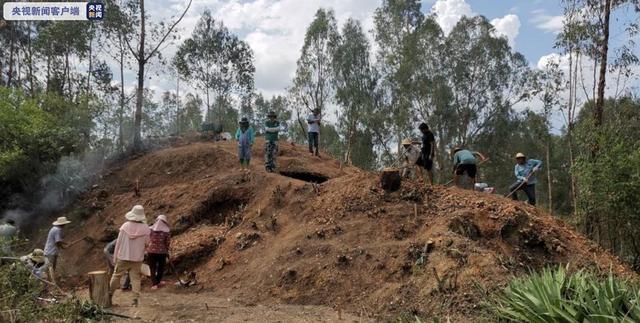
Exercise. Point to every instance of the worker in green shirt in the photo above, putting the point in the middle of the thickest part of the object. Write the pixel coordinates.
(465, 161)
(271, 128)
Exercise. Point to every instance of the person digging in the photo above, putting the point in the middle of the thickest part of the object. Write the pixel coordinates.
(53, 246)
(465, 161)
(410, 155)
(525, 170)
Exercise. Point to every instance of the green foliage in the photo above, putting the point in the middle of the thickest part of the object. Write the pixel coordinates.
(554, 295)
(217, 61)
(35, 134)
(609, 199)
(19, 301)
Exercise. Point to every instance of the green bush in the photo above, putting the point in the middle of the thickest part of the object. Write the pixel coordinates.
(553, 295)
(23, 295)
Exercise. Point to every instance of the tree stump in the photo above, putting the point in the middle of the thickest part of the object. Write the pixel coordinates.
(99, 288)
(390, 179)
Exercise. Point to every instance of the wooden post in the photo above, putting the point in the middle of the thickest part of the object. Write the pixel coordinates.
(390, 179)
(99, 288)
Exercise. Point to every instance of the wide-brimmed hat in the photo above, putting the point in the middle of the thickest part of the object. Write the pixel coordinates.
(61, 221)
(37, 256)
(406, 142)
(271, 114)
(244, 121)
(162, 218)
(136, 214)
(520, 155)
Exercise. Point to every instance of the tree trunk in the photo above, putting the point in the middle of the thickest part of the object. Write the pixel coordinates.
(549, 179)
(99, 288)
(390, 179)
(604, 49)
(137, 124)
(122, 97)
(178, 106)
(12, 49)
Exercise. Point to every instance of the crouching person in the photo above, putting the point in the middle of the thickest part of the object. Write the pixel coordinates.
(109, 249)
(36, 262)
(129, 252)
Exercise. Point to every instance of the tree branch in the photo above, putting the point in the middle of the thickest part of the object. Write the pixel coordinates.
(164, 38)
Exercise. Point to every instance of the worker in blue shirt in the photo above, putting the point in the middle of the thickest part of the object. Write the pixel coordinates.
(525, 170)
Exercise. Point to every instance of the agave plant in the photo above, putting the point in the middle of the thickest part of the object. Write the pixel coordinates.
(553, 295)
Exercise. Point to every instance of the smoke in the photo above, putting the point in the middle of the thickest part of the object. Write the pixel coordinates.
(73, 176)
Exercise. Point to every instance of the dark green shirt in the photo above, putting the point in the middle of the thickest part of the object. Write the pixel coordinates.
(271, 129)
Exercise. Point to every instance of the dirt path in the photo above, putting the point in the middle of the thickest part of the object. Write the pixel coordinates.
(171, 304)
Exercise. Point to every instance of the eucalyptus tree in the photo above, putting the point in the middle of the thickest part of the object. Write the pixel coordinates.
(355, 83)
(394, 23)
(217, 62)
(146, 49)
(312, 86)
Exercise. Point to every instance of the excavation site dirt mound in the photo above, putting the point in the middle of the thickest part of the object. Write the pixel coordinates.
(317, 233)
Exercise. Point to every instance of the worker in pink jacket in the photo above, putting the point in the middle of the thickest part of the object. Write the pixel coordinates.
(129, 252)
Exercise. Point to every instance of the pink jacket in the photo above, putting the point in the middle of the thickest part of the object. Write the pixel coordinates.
(131, 243)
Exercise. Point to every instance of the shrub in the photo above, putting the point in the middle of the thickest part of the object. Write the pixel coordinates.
(23, 300)
(553, 295)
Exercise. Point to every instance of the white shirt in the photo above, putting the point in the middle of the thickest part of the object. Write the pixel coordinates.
(315, 126)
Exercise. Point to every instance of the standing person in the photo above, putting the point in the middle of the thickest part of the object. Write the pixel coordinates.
(525, 170)
(128, 255)
(410, 155)
(271, 128)
(158, 249)
(314, 131)
(7, 232)
(36, 262)
(245, 137)
(428, 150)
(53, 246)
(464, 161)
(109, 249)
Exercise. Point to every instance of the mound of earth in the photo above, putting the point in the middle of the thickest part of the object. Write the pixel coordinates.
(317, 233)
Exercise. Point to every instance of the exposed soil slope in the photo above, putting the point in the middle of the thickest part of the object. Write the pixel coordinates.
(270, 238)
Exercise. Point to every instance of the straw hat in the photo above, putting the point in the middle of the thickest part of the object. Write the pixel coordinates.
(136, 214)
(406, 142)
(37, 256)
(61, 221)
(162, 218)
(520, 155)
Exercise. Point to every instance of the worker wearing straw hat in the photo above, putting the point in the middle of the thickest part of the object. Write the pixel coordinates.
(133, 238)
(36, 262)
(410, 155)
(54, 244)
(525, 170)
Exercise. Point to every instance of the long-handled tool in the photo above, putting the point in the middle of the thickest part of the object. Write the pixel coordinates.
(526, 180)
(88, 239)
(480, 163)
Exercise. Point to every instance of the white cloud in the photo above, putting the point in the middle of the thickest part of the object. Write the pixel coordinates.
(507, 26)
(449, 12)
(547, 23)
